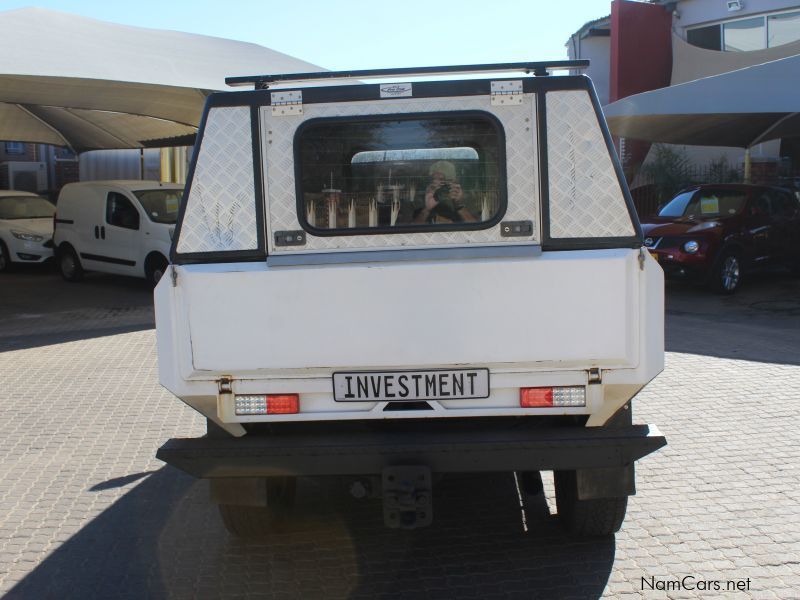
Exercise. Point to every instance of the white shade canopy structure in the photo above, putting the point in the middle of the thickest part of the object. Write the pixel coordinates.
(73, 81)
(741, 108)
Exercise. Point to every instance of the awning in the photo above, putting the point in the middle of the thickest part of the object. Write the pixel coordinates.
(91, 84)
(740, 108)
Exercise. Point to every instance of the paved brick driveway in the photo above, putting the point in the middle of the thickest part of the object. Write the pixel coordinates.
(87, 511)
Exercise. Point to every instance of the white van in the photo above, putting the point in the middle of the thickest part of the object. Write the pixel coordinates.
(121, 227)
(391, 281)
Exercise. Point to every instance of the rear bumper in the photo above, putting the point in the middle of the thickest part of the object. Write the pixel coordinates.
(349, 451)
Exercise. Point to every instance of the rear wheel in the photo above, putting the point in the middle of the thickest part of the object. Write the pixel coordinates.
(260, 521)
(69, 264)
(5, 258)
(726, 275)
(586, 518)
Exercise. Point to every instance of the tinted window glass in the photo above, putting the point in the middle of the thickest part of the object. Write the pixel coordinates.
(25, 207)
(744, 35)
(783, 204)
(121, 212)
(160, 205)
(677, 205)
(398, 174)
(783, 29)
(709, 38)
(705, 204)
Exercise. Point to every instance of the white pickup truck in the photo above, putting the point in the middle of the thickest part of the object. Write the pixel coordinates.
(391, 281)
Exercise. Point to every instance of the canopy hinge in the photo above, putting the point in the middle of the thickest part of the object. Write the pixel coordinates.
(286, 103)
(225, 385)
(595, 376)
(506, 93)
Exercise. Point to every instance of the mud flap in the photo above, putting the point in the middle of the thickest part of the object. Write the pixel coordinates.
(608, 482)
(407, 497)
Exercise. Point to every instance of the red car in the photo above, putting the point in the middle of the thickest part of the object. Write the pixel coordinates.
(718, 232)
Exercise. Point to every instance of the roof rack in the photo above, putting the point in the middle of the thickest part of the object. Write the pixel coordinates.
(537, 68)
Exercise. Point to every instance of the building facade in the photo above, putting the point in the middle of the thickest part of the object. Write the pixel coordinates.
(643, 46)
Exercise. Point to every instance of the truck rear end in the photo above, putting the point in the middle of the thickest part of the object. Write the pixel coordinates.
(390, 281)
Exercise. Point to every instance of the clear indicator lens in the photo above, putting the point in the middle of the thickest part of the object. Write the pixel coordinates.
(251, 404)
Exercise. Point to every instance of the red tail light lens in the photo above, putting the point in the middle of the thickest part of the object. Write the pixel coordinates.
(536, 397)
(283, 404)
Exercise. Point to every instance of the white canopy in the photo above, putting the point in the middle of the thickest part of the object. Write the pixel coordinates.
(91, 84)
(740, 108)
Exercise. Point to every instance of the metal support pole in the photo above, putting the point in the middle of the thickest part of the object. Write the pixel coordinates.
(747, 166)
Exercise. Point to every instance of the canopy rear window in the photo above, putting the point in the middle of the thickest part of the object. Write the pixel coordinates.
(400, 173)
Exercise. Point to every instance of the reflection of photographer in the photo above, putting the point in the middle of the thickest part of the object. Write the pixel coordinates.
(444, 198)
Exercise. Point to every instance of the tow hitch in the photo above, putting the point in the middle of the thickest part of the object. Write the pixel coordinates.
(407, 497)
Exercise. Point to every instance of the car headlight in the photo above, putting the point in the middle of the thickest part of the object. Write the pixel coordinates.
(691, 247)
(28, 237)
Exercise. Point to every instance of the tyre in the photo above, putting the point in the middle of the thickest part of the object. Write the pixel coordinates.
(586, 518)
(5, 258)
(155, 267)
(726, 276)
(69, 264)
(260, 521)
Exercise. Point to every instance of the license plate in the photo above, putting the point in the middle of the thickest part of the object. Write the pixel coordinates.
(409, 386)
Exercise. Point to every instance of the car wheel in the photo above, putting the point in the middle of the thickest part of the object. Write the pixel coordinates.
(586, 518)
(727, 274)
(155, 269)
(69, 264)
(5, 258)
(261, 521)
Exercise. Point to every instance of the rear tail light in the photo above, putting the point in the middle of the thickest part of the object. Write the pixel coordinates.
(267, 404)
(547, 397)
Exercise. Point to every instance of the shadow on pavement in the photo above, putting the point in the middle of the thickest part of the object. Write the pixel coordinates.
(163, 540)
(118, 482)
(38, 308)
(759, 323)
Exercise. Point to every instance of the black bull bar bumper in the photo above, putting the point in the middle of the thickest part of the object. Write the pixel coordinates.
(368, 452)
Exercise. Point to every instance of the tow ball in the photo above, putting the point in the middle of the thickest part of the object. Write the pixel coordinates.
(407, 497)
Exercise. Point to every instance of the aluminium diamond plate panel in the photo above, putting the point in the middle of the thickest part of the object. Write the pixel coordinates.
(586, 199)
(220, 211)
(521, 159)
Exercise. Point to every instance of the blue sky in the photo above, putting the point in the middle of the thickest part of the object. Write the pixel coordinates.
(350, 34)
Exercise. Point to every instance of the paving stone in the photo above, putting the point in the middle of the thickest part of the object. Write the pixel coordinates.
(87, 511)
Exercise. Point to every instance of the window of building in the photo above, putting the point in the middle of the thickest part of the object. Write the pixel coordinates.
(15, 148)
(397, 173)
(783, 28)
(752, 33)
(61, 153)
(744, 35)
(709, 37)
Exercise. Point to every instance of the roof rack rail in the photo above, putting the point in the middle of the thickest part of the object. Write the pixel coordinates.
(537, 68)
